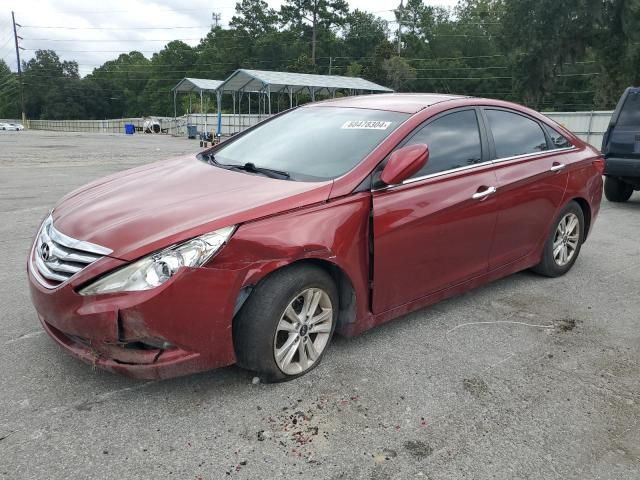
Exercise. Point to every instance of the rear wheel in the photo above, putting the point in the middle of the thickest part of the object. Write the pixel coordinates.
(283, 329)
(562, 248)
(616, 190)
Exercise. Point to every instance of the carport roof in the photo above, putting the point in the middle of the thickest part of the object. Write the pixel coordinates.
(197, 85)
(255, 80)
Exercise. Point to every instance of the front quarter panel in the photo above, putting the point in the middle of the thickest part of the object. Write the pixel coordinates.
(336, 232)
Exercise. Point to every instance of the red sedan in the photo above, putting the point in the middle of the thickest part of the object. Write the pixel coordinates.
(339, 215)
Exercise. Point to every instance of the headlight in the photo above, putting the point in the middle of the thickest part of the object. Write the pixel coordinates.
(155, 269)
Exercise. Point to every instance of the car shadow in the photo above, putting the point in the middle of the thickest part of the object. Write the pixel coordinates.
(228, 382)
(632, 204)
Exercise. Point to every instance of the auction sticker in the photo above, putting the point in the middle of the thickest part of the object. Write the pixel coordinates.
(365, 125)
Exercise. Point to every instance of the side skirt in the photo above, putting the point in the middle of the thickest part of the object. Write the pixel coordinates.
(374, 320)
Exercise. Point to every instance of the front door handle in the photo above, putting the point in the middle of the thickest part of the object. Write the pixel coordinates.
(556, 167)
(484, 193)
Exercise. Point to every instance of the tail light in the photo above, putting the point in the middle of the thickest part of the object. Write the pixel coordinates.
(599, 164)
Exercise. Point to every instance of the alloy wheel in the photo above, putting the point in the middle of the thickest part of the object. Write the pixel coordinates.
(566, 239)
(303, 331)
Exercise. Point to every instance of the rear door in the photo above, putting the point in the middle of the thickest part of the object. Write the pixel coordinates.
(435, 230)
(532, 178)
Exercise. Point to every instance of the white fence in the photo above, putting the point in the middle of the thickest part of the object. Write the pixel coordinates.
(590, 126)
(230, 124)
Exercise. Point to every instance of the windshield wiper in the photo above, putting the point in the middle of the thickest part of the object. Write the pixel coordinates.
(251, 168)
(269, 172)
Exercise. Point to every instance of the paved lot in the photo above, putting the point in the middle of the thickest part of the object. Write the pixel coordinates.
(423, 397)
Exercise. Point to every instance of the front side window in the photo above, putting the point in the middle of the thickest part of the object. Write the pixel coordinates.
(312, 143)
(453, 141)
(514, 134)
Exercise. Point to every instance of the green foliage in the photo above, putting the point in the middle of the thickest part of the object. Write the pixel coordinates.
(9, 91)
(549, 54)
(254, 18)
(314, 16)
(399, 73)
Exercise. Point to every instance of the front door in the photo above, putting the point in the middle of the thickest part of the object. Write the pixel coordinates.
(436, 229)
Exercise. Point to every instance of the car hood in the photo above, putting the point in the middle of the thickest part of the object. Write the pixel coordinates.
(137, 211)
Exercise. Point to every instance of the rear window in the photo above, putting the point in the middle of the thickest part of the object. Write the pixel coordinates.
(630, 114)
(558, 140)
(515, 134)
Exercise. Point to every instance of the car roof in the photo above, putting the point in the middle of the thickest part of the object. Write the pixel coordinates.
(393, 102)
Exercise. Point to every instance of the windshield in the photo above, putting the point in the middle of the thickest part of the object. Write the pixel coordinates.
(316, 143)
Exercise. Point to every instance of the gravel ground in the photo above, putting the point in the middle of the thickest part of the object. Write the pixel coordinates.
(423, 397)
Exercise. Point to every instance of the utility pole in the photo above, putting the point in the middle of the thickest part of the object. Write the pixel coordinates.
(16, 37)
(216, 17)
(314, 27)
(330, 64)
(399, 16)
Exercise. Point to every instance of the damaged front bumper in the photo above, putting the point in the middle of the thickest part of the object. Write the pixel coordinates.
(182, 327)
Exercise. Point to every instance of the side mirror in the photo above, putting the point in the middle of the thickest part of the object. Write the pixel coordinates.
(404, 163)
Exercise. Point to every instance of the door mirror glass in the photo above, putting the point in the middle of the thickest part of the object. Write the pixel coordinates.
(404, 163)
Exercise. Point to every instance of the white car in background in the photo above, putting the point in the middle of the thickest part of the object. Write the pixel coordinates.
(11, 126)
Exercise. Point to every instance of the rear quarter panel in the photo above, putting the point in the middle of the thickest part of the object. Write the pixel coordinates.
(585, 183)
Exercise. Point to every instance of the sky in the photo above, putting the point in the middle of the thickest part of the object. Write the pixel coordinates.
(94, 32)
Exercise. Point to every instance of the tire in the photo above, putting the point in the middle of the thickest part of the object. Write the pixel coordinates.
(265, 324)
(616, 190)
(555, 265)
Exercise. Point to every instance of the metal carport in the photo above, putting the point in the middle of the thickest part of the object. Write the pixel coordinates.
(264, 83)
(199, 85)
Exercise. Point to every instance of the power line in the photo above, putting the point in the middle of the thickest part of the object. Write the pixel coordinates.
(49, 27)
(85, 40)
(501, 78)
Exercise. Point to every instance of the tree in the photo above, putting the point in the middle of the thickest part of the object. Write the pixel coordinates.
(254, 18)
(542, 35)
(314, 13)
(168, 67)
(617, 49)
(9, 89)
(544, 53)
(52, 87)
(399, 73)
(363, 31)
(121, 82)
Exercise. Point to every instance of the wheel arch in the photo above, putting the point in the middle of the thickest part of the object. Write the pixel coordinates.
(344, 284)
(586, 212)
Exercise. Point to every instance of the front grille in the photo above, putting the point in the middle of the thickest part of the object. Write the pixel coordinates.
(58, 257)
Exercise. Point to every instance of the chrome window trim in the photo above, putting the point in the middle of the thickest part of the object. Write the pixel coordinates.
(445, 172)
(533, 154)
(470, 167)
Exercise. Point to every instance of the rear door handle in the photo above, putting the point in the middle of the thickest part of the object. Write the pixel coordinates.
(556, 167)
(484, 193)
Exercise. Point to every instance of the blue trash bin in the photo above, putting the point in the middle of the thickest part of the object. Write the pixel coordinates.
(192, 131)
(129, 128)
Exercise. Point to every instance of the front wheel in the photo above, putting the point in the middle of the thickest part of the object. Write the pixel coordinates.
(562, 248)
(284, 327)
(616, 190)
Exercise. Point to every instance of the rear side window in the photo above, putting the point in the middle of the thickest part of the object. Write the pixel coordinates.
(630, 114)
(558, 140)
(453, 141)
(514, 134)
